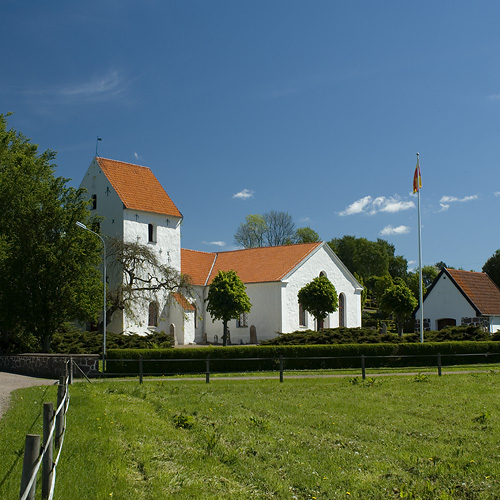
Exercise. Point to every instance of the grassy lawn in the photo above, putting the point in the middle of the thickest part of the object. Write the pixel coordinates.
(415, 437)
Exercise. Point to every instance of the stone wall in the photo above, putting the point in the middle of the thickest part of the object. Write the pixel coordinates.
(49, 365)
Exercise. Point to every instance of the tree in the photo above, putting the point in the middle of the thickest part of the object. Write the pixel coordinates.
(367, 258)
(319, 297)
(227, 299)
(141, 277)
(492, 267)
(306, 235)
(400, 301)
(250, 234)
(271, 229)
(49, 268)
(280, 228)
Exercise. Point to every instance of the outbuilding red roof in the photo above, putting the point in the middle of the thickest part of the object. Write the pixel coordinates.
(137, 187)
(480, 290)
(253, 265)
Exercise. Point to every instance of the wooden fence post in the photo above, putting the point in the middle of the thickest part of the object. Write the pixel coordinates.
(439, 363)
(207, 375)
(141, 369)
(48, 458)
(70, 371)
(31, 454)
(363, 367)
(60, 416)
(281, 368)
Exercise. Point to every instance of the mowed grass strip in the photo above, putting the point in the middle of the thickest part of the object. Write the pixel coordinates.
(418, 437)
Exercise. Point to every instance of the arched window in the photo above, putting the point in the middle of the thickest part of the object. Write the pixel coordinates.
(302, 316)
(151, 233)
(153, 314)
(342, 320)
(322, 273)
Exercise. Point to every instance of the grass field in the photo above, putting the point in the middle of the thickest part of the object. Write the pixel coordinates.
(415, 437)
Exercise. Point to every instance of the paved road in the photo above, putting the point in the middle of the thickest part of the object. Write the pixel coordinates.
(10, 382)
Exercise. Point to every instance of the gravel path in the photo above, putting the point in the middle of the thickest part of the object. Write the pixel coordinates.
(10, 382)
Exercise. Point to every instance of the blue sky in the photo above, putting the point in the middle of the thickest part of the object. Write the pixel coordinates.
(315, 108)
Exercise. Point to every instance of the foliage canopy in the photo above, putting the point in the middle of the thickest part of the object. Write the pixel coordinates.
(227, 299)
(319, 297)
(49, 268)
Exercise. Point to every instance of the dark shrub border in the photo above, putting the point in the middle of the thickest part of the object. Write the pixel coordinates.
(258, 358)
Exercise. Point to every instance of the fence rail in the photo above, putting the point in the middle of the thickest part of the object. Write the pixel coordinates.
(280, 363)
(36, 456)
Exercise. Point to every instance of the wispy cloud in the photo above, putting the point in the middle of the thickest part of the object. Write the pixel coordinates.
(215, 243)
(446, 200)
(244, 194)
(372, 206)
(106, 86)
(137, 156)
(497, 193)
(395, 230)
(494, 97)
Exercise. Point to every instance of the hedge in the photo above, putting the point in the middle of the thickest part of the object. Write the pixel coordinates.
(297, 357)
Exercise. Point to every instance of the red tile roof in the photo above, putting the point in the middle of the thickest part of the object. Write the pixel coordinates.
(137, 187)
(185, 304)
(479, 289)
(253, 265)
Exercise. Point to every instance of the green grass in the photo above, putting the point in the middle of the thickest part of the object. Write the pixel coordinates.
(415, 436)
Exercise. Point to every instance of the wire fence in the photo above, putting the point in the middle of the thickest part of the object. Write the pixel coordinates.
(139, 366)
(36, 456)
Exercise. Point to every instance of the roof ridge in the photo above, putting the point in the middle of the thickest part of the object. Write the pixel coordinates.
(119, 161)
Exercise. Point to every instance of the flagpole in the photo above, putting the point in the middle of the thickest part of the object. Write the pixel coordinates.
(420, 285)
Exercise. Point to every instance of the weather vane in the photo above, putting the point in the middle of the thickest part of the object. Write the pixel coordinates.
(96, 143)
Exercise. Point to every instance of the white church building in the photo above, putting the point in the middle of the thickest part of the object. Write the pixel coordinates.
(134, 207)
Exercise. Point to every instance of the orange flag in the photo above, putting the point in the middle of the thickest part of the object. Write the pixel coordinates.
(417, 179)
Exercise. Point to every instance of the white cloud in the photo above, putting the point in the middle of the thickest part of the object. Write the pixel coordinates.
(110, 83)
(446, 200)
(373, 206)
(357, 207)
(497, 193)
(395, 230)
(215, 243)
(244, 194)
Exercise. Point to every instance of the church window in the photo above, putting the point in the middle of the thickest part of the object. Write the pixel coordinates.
(153, 314)
(302, 316)
(94, 202)
(151, 233)
(242, 321)
(342, 310)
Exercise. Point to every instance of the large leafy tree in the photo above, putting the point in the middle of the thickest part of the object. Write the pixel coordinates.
(319, 297)
(492, 267)
(306, 235)
(49, 268)
(227, 299)
(399, 300)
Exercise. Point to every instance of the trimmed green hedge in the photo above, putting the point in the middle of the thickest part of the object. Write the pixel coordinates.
(297, 357)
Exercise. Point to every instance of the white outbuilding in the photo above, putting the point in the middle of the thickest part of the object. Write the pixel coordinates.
(459, 297)
(134, 207)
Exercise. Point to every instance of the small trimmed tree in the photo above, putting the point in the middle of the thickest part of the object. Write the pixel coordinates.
(400, 301)
(227, 299)
(319, 297)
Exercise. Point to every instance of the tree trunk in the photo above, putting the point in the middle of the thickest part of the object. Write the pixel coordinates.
(46, 343)
(224, 335)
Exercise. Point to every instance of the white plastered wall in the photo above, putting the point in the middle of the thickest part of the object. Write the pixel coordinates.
(445, 301)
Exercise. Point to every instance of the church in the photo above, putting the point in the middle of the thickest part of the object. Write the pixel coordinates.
(134, 207)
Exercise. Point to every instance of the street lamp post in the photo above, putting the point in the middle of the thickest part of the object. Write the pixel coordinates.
(83, 226)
